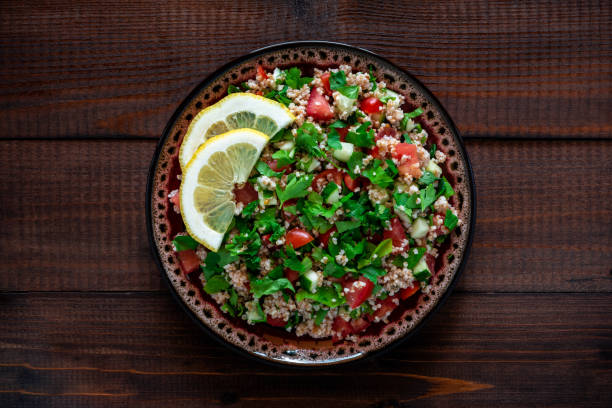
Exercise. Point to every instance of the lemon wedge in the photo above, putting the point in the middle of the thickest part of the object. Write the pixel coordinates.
(235, 111)
(221, 163)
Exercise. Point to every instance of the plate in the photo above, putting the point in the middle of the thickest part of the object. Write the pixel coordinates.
(275, 345)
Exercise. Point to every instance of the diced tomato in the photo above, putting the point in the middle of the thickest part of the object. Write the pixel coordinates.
(266, 239)
(189, 261)
(176, 200)
(386, 306)
(358, 291)
(431, 263)
(325, 81)
(406, 152)
(360, 324)
(375, 153)
(261, 72)
(406, 293)
(246, 194)
(276, 322)
(375, 238)
(371, 105)
(385, 131)
(341, 329)
(397, 235)
(342, 132)
(324, 238)
(291, 275)
(298, 238)
(351, 184)
(273, 164)
(334, 175)
(318, 107)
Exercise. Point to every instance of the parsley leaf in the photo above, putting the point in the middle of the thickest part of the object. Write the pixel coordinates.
(338, 124)
(355, 161)
(284, 158)
(249, 209)
(352, 249)
(450, 220)
(361, 136)
(415, 113)
(325, 295)
(333, 269)
(415, 255)
(427, 178)
(333, 139)
(347, 225)
(378, 175)
(372, 79)
(232, 88)
(427, 196)
(216, 284)
(350, 91)
(279, 96)
(406, 202)
(265, 170)
(337, 79)
(296, 187)
(268, 286)
(308, 138)
(445, 188)
(320, 316)
(391, 168)
(294, 79)
(372, 273)
(432, 151)
(184, 242)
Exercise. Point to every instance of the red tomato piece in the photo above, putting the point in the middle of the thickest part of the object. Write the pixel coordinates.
(324, 238)
(358, 291)
(276, 322)
(375, 153)
(189, 261)
(273, 164)
(406, 293)
(385, 131)
(266, 239)
(246, 194)
(298, 238)
(431, 263)
(291, 275)
(371, 105)
(261, 72)
(318, 107)
(375, 238)
(397, 235)
(386, 307)
(359, 325)
(406, 152)
(341, 329)
(350, 183)
(334, 175)
(325, 81)
(342, 132)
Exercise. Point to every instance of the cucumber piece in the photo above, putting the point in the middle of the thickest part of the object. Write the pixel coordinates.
(345, 153)
(344, 104)
(287, 145)
(314, 164)
(419, 228)
(331, 193)
(267, 198)
(421, 271)
(254, 312)
(434, 169)
(309, 281)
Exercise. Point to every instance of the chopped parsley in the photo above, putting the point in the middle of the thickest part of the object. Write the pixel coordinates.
(294, 79)
(296, 187)
(337, 82)
(184, 242)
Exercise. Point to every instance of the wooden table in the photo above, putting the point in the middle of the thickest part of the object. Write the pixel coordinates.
(85, 91)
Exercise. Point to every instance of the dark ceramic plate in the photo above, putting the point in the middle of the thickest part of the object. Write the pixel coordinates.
(273, 344)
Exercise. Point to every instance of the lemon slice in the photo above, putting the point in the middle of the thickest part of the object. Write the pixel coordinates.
(235, 111)
(207, 201)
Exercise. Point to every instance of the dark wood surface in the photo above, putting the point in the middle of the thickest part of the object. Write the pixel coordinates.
(85, 91)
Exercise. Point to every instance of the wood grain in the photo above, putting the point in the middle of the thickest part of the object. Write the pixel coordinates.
(102, 69)
(538, 228)
(139, 349)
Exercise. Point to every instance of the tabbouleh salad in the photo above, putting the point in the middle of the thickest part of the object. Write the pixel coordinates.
(342, 216)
